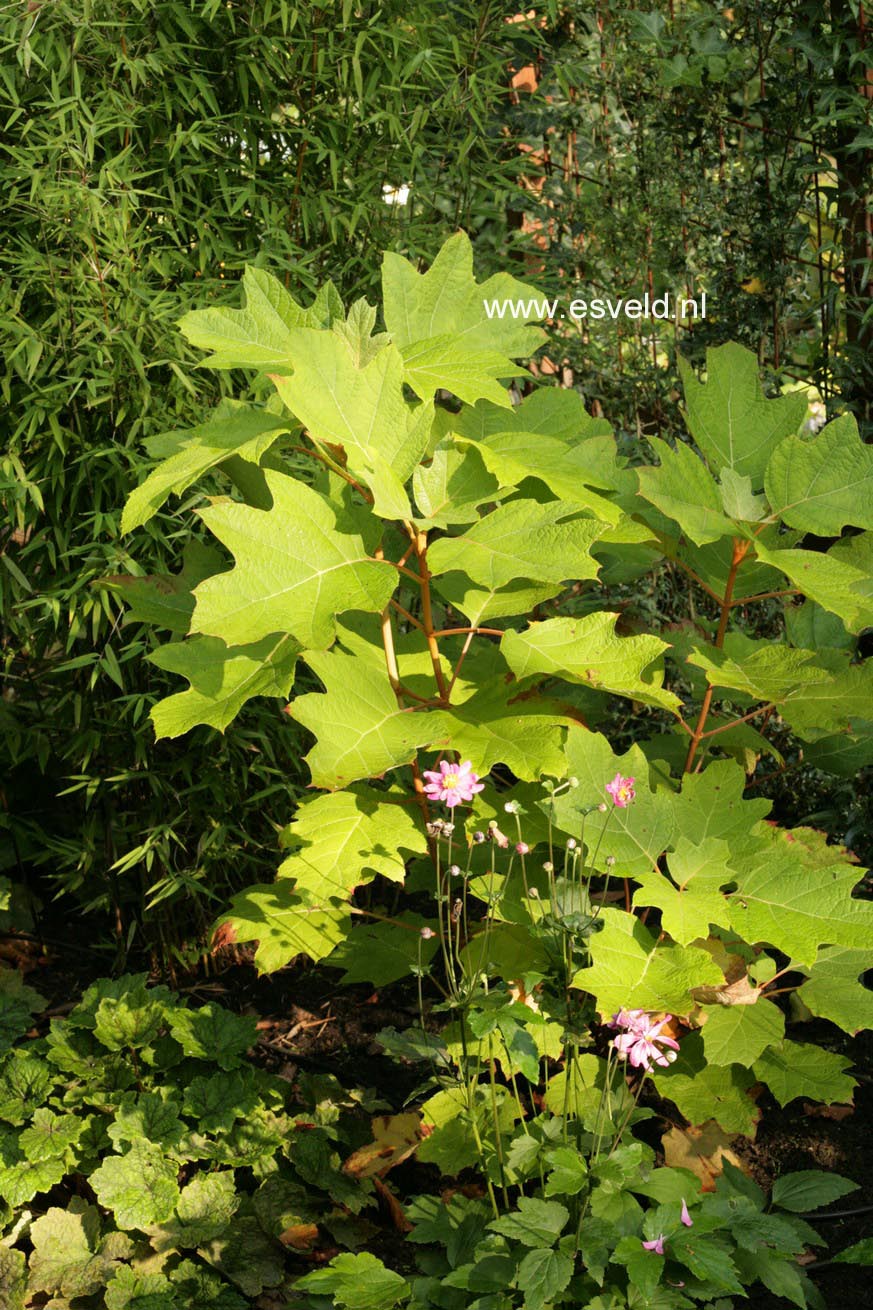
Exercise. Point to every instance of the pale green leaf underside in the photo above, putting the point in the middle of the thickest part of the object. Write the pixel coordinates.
(246, 433)
(738, 1034)
(258, 335)
(683, 488)
(447, 301)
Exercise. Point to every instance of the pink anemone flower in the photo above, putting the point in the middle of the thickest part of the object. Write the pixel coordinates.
(452, 783)
(622, 791)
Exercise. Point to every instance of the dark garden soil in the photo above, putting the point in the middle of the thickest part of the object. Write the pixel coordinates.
(308, 1021)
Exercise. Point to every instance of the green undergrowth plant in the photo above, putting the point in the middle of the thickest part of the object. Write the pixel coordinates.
(144, 1159)
(425, 571)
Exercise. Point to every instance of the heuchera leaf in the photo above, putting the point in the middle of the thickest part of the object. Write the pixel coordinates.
(204, 1210)
(589, 651)
(213, 1033)
(730, 418)
(357, 1282)
(361, 730)
(222, 678)
(69, 1255)
(630, 969)
(542, 1275)
(139, 1187)
(295, 571)
(13, 1278)
(821, 485)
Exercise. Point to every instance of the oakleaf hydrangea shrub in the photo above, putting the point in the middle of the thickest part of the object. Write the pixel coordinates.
(429, 587)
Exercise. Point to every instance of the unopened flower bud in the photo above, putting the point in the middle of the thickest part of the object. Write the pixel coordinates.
(610, 861)
(548, 867)
(478, 837)
(511, 807)
(571, 843)
(573, 782)
(522, 848)
(427, 933)
(454, 871)
(448, 829)
(603, 807)
(534, 894)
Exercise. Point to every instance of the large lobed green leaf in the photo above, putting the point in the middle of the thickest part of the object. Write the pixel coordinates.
(295, 571)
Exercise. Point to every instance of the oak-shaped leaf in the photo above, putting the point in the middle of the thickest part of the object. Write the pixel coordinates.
(630, 968)
(257, 336)
(285, 923)
(824, 484)
(295, 570)
(682, 487)
(232, 430)
(343, 839)
(588, 650)
(636, 836)
(360, 729)
(447, 337)
(692, 902)
(833, 990)
(522, 539)
(792, 1069)
(731, 420)
(221, 679)
(797, 910)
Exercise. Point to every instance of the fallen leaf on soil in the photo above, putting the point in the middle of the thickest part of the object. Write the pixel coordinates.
(701, 1150)
(836, 1112)
(301, 1236)
(393, 1206)
(396, 1136)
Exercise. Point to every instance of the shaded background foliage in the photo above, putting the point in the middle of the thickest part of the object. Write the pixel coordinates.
(148, 151)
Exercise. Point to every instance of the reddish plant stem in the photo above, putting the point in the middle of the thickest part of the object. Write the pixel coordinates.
(420, 544)
(713, 732)
(740, 551)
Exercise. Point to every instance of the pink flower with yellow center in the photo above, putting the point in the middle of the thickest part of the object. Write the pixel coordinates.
(641, 1042)
(452, 784)
(622, 791)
